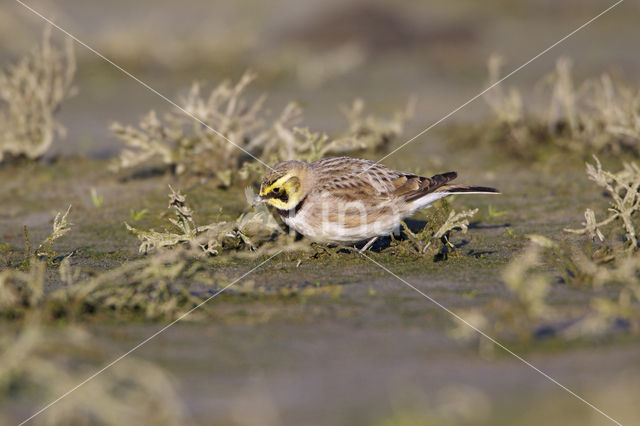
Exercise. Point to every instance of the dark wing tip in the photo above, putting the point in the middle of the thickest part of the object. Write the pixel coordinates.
(442, 178)
(482, 189)
(486, 189)
(448, 175)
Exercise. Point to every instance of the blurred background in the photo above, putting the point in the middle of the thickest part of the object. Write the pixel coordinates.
(321, 54)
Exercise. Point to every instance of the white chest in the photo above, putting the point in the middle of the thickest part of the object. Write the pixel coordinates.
(320, 227)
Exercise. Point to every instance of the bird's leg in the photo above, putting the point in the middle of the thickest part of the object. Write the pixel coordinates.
(366, 246)
(338, 248)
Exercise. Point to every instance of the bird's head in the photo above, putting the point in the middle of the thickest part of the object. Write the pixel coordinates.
(286, 184)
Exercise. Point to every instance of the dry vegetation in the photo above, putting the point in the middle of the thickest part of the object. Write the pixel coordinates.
(31, 92)
(623, 189)
(600, 115)
(248, 231)
(38, 364)
(158, 285)
(433, 239)
(257, 232)
(189, 147)
(151, 287)
(607, 268)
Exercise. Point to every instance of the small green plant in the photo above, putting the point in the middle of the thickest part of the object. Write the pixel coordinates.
(492, 212)
(96, 199)
(137, 215)
(31, 93)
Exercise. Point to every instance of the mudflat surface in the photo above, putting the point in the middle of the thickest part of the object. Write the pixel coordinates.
(333, 338)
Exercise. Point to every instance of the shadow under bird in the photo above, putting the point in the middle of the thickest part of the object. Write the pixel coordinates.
(346, 200)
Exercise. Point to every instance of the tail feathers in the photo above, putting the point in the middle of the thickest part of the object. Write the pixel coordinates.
(431, 189)
(466, 189)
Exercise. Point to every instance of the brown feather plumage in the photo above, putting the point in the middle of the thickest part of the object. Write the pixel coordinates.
(356, 193)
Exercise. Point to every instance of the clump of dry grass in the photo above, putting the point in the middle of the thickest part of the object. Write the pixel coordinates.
(615, 265)
(245, 232)
(45, 251)
(525, 307)
(623, 189)
(38, 365)
(155, 287)
(162, 285)
(526, 313)
(616, 108)
(31, 92)
(599, 115)
(60, 228)
(619, 276)
(363, 133)
(609, 272)
(188, 147)
(22, 288)
(433, 239)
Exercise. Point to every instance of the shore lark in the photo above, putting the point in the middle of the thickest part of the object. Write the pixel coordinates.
(347, 200)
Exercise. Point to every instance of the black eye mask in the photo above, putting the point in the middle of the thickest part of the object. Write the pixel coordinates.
(281, 195)
(278, 194)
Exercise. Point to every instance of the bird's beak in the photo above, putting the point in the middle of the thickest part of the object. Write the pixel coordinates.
(257, 200)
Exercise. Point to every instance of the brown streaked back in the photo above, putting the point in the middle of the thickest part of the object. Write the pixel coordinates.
(424, 185)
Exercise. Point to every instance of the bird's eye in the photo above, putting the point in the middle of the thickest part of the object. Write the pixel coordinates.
(276, 189)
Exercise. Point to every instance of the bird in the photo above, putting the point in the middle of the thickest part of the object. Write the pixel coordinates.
(345, 200)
